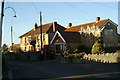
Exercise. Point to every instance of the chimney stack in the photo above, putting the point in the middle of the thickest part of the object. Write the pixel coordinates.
(69, 25)
(97, 19)
(35, 26)
(54, 26)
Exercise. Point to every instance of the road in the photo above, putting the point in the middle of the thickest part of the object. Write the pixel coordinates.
(54, 69)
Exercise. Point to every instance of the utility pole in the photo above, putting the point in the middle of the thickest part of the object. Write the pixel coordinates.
(41, 30)
(1, 22)
(12, 35)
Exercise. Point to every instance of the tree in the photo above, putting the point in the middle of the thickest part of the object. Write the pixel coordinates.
(97, 48)
(5, 47)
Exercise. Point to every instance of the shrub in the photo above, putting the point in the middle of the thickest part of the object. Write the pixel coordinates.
(6, 52)
(83, 48)
(97, 48)
(4, 47)
(64, 52)
(80, 55)
(76, 55)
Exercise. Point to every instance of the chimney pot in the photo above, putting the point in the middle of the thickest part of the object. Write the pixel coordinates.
(97, 19)
(35, 26)
(69, 25)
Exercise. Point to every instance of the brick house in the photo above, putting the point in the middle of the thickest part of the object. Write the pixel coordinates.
(48, 30)
(65, 40)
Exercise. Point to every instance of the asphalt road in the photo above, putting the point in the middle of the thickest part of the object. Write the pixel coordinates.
(54, 69)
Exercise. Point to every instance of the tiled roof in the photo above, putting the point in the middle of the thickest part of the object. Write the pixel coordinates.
(77, 28)
(71, 37)
(14, 45)
(45, 29)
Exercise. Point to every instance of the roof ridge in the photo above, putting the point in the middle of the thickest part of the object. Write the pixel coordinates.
(46, 24)
(88, 23)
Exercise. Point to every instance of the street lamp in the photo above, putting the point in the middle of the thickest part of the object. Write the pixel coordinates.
(11, 26)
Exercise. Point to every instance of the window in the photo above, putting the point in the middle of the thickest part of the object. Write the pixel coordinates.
(108, 23)
(104, 45)
(118, 43)
(25, 40)
(44, 37)
(29, 38)
(37, 38)
(25, 48)
(108, 31)
(109, 44)
(29, 48)
(21, 40)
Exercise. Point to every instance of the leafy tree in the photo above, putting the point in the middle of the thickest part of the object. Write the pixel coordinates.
(5, 47)
(97, 48)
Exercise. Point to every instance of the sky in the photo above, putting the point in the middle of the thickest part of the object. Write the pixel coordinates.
(62, 12)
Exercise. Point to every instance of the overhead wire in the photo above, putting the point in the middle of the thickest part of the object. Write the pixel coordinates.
(79, 9)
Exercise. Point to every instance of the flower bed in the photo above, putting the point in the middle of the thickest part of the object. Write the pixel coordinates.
(72, 58)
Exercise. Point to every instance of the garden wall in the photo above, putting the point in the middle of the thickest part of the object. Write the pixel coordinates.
(23, 57)
(105, 58)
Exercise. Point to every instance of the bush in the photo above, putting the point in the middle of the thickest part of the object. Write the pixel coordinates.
(76, 55)
(6, 52)
(64, 52)
(83, 48)
(97, 48)
(4, 47)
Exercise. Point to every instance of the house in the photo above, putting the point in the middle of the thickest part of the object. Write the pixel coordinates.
(86, 34)
(65, 40)
(119, 41)
(105, 29)
(30, 41)
(60, 38)
(14, 48)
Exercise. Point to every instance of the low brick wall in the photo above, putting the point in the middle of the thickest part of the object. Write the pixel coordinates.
(105, 58)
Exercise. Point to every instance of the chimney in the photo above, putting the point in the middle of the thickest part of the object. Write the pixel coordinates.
(69, 25)
(35, 26)
(97, 19)
(54, 26)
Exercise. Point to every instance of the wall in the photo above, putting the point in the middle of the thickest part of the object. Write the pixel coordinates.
(105, 58)
(110, 40)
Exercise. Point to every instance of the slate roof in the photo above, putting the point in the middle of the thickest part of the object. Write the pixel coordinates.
(70, 37)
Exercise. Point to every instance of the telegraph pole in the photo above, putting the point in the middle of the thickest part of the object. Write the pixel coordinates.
(41, 30)
(1, 22)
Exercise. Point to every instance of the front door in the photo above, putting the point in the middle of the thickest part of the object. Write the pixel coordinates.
(58, 48)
